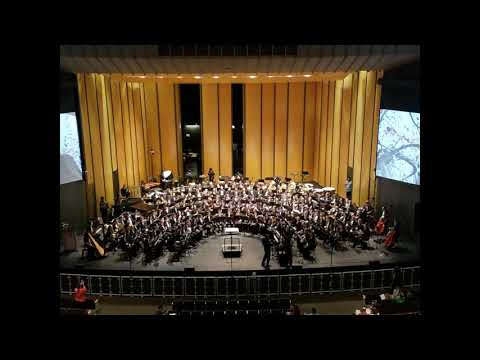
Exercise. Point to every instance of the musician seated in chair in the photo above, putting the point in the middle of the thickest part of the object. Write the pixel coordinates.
(117, 209)
(80, 298)
(124, 191)
(143, 189)
(87, 247)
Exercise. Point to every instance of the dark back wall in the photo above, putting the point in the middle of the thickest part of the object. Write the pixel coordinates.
(73, 208)
(403, 197)
(401, 88)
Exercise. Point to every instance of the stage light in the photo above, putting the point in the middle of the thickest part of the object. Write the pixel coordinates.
(142, 77)
(160, 76)
(270, 76)
(179, 77)
(252, 76)
(197, 77)
(289, 76)
(233, 126)
(307, 75)
(234, 77)
(216, 77)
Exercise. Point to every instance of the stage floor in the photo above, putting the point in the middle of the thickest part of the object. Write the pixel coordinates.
(207, 256)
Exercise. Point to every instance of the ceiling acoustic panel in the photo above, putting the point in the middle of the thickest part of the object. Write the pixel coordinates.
(273, 59)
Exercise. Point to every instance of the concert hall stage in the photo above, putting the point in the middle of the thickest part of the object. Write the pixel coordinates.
(207, 256)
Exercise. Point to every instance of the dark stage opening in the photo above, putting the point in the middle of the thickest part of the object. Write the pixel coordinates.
(191, 135)
(237, 128)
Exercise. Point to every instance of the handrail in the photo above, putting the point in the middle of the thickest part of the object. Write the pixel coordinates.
(240, 286)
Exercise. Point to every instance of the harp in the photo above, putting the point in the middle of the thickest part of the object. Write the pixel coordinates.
(100, 249)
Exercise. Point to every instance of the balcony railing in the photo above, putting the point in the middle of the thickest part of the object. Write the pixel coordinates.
(239, 286)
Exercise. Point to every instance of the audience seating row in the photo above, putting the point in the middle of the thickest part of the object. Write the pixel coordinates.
(219, 307)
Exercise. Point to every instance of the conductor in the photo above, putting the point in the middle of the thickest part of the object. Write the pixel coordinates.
(266, 247)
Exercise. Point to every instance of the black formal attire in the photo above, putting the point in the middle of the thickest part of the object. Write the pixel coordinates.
(117, 209)
(104, 211)
(267, 249)
(125, 192)
(288, 248)
(211, 175)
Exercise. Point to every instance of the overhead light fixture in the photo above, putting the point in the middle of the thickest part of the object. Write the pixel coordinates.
(215, 76)
(234, 76)
(142, 77)
(307, 75)
(233, 126)
(270, 76)
(179, 77)
(289, 76)
(160, 76)
(252, 76)
(197, 77)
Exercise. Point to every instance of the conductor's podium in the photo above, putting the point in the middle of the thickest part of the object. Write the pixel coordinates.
(231, 245)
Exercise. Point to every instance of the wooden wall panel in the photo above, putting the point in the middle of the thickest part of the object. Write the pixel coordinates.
(319, 127)
(95, 139)
(344, 134)
(137, 110)
(168, 132)
(337, 112)
(331, 108)
(296, 103)
(209, 128)
(118, 126)
(121, 123)
(126, 134)
(253, 128)
(178, 124)
(87, 148)
(367, 136)
(281, 102)
(322, 177)
(357, 164)
(104, 137)
(153, 130)
(225, 125)
(268, 139)
(318, 118)
(353, 117)
(133, 135)
(373, 156)
(309, 130)
(144, 128)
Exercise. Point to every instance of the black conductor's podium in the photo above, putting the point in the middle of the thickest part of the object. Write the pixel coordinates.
(231, 245)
